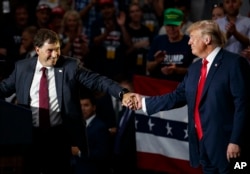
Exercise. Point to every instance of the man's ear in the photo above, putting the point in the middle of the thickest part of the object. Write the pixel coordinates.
(207, 40)
(37, 49)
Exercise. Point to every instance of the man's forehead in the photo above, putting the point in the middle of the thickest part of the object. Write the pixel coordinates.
(51, 45)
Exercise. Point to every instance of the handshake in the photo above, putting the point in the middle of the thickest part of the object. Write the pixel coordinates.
(132, 101)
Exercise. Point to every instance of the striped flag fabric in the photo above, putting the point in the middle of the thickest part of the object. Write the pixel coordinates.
(161, 138)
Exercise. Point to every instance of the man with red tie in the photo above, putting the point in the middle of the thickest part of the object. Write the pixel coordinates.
(49, 84)
(218, 109)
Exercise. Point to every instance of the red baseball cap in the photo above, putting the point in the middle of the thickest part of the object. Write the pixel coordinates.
(58, 11)
(105, 2)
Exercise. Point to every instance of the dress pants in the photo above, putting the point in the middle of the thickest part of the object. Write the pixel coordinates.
(209, 165)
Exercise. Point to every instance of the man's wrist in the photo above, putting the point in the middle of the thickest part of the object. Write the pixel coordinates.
(122, 92)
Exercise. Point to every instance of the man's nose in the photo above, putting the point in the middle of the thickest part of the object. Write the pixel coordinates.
(54, 53)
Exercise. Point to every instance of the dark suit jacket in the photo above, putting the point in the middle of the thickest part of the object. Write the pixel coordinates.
(69, 76)
(223, 108)
(98, 139)
(98, 159)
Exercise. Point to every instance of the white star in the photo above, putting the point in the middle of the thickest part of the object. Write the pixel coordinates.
(169, 129)
(150, 125)
(186, 133)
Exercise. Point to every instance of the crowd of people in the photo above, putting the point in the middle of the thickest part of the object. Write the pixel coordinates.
(113, 37)
(101, 45)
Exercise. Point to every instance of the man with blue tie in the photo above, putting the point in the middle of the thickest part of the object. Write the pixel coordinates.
(217, 112)
(57, 118)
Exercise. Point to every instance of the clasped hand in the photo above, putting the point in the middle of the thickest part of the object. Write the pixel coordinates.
(132, 101)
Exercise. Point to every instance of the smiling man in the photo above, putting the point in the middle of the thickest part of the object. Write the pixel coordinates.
(57, 118)
(216, 91)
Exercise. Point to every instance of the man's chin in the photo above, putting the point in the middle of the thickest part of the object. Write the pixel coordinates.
(51, 62)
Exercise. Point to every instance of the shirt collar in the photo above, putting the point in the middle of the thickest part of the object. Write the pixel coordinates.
(90, 119)
(211, 56)
(39, 66)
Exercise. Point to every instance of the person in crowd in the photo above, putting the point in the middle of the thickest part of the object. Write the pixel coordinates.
(170, 55)
(49, 85)
(216, 91)
(11, 35)
(104, 109)
(56, 19)
(141, 38)
(151, 10)
(27, 48)
(246, 53)
(50, 3)
(236, 26)
(98, 160)
(109, 40)
(218, 11)
(184, 6)
(43, 14)
(89, 12)
(74, 41)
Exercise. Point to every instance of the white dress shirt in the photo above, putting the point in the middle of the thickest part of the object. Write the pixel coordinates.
(88, 121)
(55, 116)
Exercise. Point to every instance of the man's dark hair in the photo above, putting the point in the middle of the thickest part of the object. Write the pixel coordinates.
(90, 97)
(45, 35)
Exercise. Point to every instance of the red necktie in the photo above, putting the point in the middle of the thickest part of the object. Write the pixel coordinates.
(198, 97)
(44, 120)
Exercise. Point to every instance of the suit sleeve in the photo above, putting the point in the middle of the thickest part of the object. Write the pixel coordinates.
(168, 101)
(95, 81)
(240, 85)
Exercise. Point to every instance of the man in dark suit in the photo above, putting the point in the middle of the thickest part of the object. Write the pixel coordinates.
(223, 107)
(51, 148)
(98, 137)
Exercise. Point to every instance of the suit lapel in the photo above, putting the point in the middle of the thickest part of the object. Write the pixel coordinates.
(195, 74)
(59, 83)
(214, 67)
(29, 74)
(90, 123)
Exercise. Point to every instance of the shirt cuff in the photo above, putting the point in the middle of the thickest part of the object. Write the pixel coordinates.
(144, 108)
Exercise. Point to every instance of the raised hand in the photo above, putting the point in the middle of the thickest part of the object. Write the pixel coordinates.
(159, 56)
